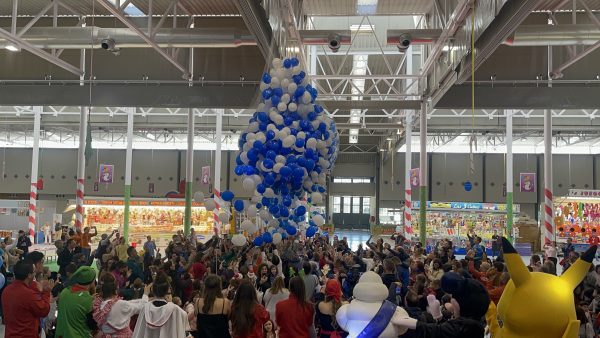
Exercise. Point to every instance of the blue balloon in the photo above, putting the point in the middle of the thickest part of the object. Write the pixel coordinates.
(266, 78)
(271, 154)
(262, 116)
(270, 135)
(258, 241)
(298, 173)
(257, 145)
(249, 170)
(312, 116)
(299, 143)
(302, 74)
(259, 206)
(261, 188)
(310, 164)
(291, 230)
(266, 202)
(305, 125)
(227, 195)
(239, 170)
(301, 161)
(285, 171)
(300, 211)
(238, 205)
(268, 163)
(287, 201)
(270, 178)
(283, 212)
(468, 186)
(275, 100)
(284, 235)
(299, 92)
(278, 92)
(273, 209)
(287, 63)
(252, 154)
(297, 79)
(267, 237)
(288, 121)
(311, 231)
(266, 94)
(295, 61)
(321, 189)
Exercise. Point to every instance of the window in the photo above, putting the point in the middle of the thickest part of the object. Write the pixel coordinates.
(347, 202)
(356, 205)
(337, 202)
(366, 205)
(352, 180)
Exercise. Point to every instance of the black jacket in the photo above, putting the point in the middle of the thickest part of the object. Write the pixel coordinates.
(456, 328)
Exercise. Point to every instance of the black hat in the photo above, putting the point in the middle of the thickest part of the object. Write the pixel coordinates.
(470, 294)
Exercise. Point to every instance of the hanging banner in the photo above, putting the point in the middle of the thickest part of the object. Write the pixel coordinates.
(206, 175)
(106, 173)
(584, 193)
(527, 182)
(415, 177)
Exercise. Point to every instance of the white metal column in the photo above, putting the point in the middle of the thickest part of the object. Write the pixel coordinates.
(509, 173)
(34, 174)
(83, 121)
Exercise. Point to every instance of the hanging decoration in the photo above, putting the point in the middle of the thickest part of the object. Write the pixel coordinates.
(285, 154)
(106, 173)
(527, 182)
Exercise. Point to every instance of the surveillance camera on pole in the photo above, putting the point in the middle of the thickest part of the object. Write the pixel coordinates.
(110, 45)
(404, 42)
(335, 41)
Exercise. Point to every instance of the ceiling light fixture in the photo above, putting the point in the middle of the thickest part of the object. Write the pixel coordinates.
(12, 48)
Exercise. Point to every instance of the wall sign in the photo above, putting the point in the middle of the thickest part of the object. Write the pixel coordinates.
(106, 173)
(527, 182)
(415, 177)
(584, 193)
(206, 175)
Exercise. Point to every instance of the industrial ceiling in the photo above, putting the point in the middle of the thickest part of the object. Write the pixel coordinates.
(207, 55)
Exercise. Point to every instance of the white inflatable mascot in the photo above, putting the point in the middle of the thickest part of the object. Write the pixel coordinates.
(369, 315)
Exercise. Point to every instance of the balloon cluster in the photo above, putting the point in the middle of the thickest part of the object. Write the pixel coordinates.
(285, 154)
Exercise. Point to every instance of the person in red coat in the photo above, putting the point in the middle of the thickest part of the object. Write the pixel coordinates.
(198, 268)
(295, 316)
(24, 302)
(247, 315)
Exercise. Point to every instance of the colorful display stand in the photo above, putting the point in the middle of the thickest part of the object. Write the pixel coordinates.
(159, 218)
(452, 220)
(577, 216)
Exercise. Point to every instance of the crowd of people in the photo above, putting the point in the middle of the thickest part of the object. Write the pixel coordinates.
(215, 289)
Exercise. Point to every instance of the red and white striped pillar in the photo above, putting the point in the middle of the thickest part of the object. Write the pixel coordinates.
(217, 170)
(407, 168)
(34, 173)
(548, 198)
(83, 121)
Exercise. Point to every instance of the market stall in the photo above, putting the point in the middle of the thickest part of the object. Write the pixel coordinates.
(577, 216)
(159, 218)
(453, 220)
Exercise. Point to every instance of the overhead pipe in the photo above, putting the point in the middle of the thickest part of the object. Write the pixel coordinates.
(87, 37)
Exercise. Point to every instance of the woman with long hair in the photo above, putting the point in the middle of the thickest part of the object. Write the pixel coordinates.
(111, 313)
(274, 295)
(190, 306)
(247, 315)
(295, 315)
(326, 310)
(213, 310)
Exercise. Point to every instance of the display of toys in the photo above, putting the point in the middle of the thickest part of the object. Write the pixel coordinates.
(576, 219)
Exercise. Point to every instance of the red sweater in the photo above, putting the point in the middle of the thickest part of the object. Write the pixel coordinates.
(261, 316)
(23, 306)
(198, 270)
(293, 320)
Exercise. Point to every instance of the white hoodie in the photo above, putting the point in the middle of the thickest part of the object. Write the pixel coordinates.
(161, 321)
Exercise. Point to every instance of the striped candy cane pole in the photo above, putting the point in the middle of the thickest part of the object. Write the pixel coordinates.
(407, 168)
(217, 225)
(32, 211)
(79, 204)
(407, 208)
(548, 205)
(217, 182)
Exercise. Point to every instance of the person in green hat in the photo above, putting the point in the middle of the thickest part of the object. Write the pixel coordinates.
(75, 305)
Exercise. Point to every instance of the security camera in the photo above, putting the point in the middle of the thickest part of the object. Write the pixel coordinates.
(110, 45)
(404, 42)
(335, 41)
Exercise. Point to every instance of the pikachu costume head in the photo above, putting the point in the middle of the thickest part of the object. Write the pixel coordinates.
(536, 304)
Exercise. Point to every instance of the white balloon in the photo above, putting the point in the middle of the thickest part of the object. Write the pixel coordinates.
(246, 225)
(296, 69)
(285, 84)
(199, 196)
(273, 223)
(277, 63)
(261, 106)
(261, 137)
(318, 219)
(292, 107)
(281, 106)
(315, 124)
(263, 86)
(277, 167)
(210, 204)
(277, 238)
(275, 83)
(248, 184)
(224, 217)
(251, 210)
(316, 198)
(271, 126)
(244, 157)
(289, 141)
(256, 199)
(272, 72)
(285, 98)
(292, 88)
(306, 98)
(238, 240)
(280, 73)
(257, 179)
(264, 215)
(280, 159)
(253, 127)
(311, 143)
(250, 137)
(269, 193)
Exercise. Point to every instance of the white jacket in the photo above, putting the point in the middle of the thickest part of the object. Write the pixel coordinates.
(161, 321)
(121, 313)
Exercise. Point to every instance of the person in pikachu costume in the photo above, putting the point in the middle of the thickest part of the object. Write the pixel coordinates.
(536, 304)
